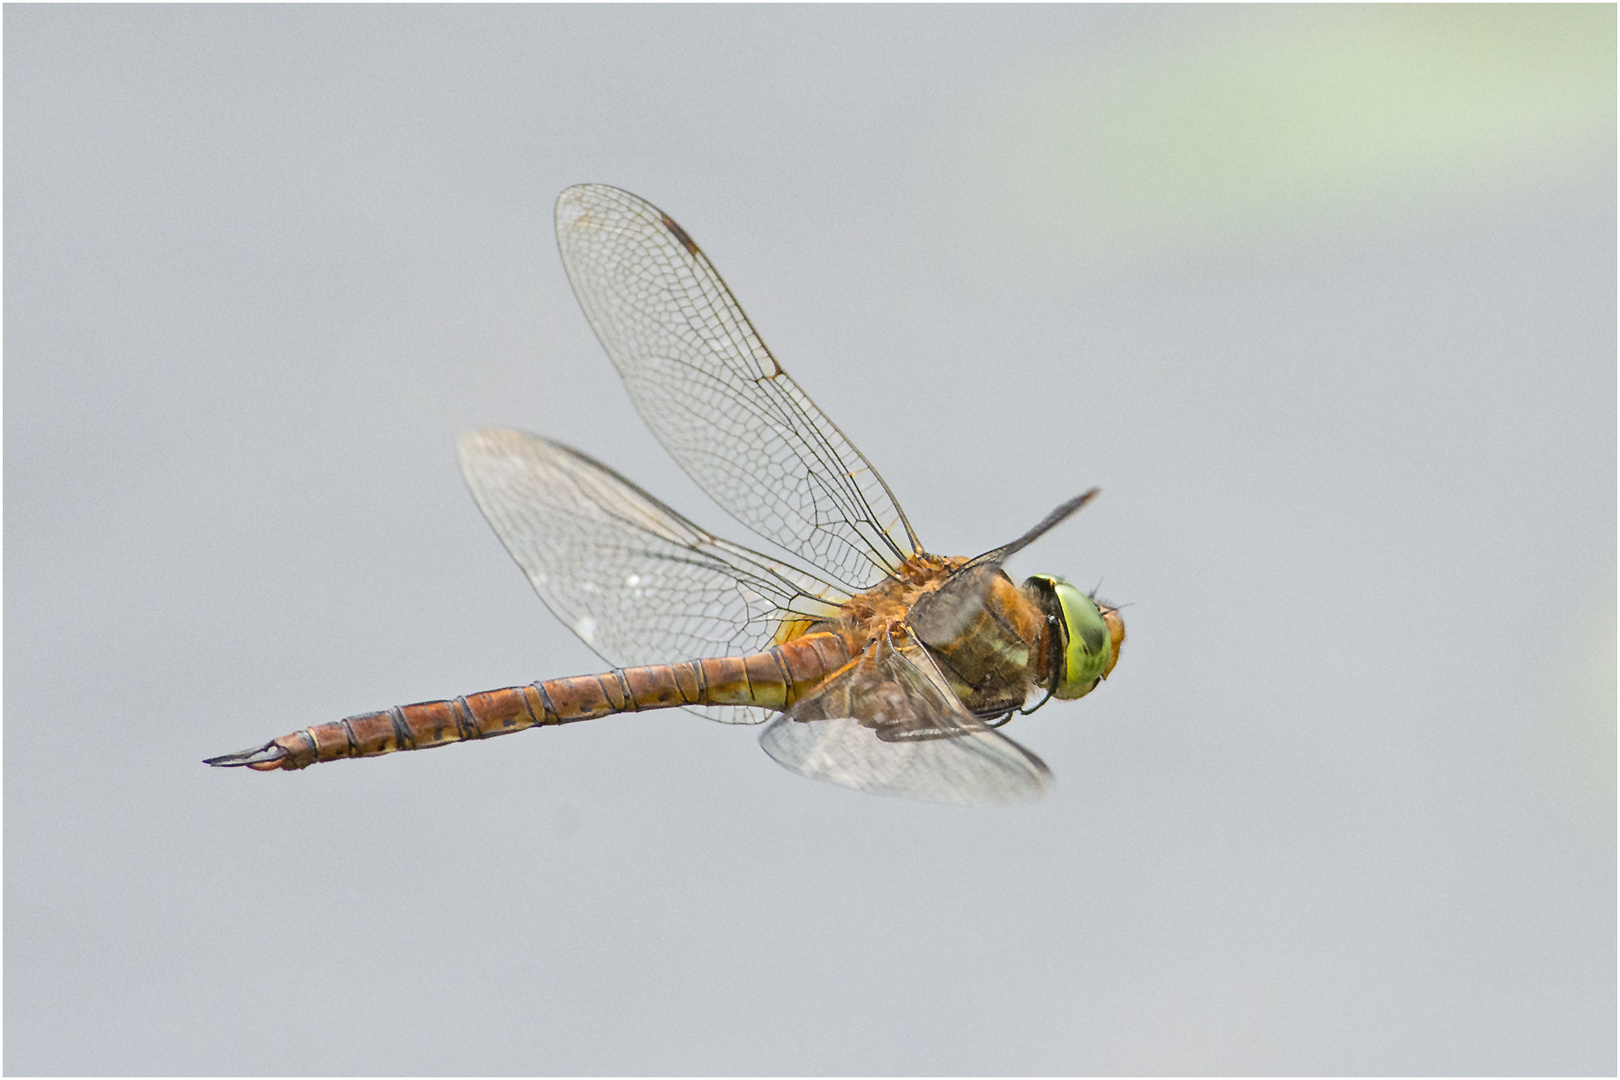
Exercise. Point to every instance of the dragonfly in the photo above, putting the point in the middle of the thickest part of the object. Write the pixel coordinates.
(877, 665)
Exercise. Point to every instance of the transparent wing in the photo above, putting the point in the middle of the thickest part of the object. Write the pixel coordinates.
(636, 581)
(713, 395)
(889, 724)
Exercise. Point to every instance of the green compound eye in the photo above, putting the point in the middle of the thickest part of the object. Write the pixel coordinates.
(1092, 636)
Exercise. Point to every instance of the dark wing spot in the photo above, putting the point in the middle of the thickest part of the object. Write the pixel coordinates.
(680, 233)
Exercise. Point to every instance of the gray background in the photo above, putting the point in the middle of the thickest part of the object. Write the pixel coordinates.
(1324, 300)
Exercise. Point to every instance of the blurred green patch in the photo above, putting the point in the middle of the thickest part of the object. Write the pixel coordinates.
(1250, 121)
(1584, 705)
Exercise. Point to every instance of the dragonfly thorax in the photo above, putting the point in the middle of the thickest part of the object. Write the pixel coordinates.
(988, 636)
(893, 598)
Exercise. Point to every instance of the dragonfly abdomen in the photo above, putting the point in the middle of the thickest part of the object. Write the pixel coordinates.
(773, 679)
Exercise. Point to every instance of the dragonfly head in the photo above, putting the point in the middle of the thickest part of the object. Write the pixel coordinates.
(1086, 635)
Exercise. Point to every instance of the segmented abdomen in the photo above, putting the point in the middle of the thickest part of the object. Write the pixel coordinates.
(774, 679)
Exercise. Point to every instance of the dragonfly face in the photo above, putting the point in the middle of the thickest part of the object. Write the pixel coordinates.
(876, 663)
(1088, 635)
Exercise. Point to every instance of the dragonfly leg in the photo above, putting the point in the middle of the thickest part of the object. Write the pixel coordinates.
(1038, 704)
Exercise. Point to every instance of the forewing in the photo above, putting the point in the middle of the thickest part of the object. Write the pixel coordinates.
(636, 581)
(714, 396)
(889, 724)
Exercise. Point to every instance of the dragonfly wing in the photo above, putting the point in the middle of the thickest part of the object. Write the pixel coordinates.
(889, 724)
(636, 581)
(713, 395)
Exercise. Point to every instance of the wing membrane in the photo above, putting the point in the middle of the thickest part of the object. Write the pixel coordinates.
(713, 395)
(636, 581)
(889, 724)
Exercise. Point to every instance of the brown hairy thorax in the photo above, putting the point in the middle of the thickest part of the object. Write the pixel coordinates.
(866, 614)
(1001, 652)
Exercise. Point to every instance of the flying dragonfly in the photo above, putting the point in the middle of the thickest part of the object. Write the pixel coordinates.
(879, 666)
